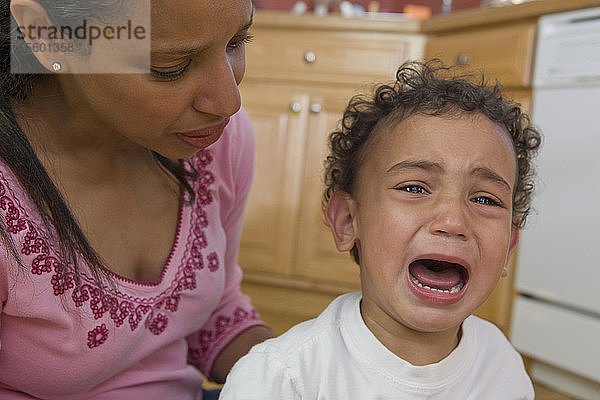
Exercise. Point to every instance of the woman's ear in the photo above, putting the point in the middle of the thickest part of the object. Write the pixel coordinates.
(39, 33)
(340, 214)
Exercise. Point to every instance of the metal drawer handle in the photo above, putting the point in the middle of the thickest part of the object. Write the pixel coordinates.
(310, 57)
(462, 59)
(295, 107)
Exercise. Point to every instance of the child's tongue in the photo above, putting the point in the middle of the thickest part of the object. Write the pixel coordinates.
(441, 277)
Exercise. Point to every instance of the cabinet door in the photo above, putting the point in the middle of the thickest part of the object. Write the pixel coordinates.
(279, 118)
(317, 258)
(503, 53)
(284, 229)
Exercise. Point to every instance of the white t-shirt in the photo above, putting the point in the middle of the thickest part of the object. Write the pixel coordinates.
(335, 357)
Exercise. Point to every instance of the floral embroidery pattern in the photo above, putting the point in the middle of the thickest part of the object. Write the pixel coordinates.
(97, 336)
(121, 309)
(207, 337)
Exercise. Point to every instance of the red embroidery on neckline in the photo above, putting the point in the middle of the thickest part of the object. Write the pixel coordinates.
(120, 307)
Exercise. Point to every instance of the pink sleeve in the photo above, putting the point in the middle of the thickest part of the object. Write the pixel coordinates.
(234, 314)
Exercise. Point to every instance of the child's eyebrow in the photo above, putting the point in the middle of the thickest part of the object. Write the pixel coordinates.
(484, 172)
(415, 164)
(491, 175)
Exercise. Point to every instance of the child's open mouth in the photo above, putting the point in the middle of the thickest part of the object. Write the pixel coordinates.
(438, 281)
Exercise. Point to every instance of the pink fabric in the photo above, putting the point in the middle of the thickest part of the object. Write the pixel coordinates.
(140, 340)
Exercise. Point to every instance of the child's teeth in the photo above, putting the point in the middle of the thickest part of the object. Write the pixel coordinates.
(455, 289)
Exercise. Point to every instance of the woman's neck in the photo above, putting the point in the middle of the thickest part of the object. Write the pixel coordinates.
(66, 137)
(56, 126)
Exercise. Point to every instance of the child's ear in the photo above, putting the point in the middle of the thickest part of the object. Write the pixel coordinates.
(512, 246)
(340, 218)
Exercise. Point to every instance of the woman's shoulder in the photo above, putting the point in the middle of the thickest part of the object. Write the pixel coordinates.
(13, 196)
(6, 174)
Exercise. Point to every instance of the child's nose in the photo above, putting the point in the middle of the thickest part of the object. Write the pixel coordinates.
(451, 219)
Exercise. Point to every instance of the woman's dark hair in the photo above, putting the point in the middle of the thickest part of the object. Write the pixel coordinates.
(429, 88)
(16, 151)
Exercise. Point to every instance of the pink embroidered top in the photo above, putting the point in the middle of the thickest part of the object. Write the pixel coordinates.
(140, 340)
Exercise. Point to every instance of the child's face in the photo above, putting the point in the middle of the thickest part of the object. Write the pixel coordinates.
(432, 188)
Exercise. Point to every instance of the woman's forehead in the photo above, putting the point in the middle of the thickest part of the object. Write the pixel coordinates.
(181, 19)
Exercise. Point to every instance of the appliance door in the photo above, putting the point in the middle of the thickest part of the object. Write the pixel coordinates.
(560, 246)
(557, 317)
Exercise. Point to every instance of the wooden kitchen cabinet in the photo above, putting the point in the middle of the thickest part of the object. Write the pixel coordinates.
(301, 72)
(504, 52)
(291, 125)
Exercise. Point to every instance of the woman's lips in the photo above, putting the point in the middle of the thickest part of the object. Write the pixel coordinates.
(204, 137)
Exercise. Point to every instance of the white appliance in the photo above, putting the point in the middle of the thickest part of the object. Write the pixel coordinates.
(556, 317)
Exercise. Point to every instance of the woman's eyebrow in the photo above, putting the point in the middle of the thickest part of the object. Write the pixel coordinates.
(183, 51)
(197, 49)
(249, 24)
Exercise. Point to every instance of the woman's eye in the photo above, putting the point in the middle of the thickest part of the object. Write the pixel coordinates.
(236, 43)
(485, 201)
(415, 189)
(170, 75)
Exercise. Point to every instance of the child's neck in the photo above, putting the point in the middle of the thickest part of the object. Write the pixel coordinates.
(415, 347)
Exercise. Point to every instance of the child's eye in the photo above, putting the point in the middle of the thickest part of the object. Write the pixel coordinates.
(486, 201)
(236, 43)
(415, 189)
(170, 75)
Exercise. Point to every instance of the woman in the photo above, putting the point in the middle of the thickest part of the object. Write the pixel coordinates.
(121, 198)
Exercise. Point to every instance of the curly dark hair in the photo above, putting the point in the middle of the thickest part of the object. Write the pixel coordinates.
(429, 88)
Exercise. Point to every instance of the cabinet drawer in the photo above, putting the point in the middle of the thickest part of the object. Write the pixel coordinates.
(503, 53)
(334, 57)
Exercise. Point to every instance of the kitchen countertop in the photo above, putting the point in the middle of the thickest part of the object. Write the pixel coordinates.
(310, 21)
(476, 17)
(439, 23)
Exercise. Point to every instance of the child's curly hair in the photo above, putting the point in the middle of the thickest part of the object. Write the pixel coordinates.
(429, 88)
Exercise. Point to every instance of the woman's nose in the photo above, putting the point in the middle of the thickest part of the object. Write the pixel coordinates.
(451, 219)
(218, 93)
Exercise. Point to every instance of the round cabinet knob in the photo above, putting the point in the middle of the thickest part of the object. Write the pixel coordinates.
(316, 108)
(310, 57)
(462, 59)
(295, 107)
